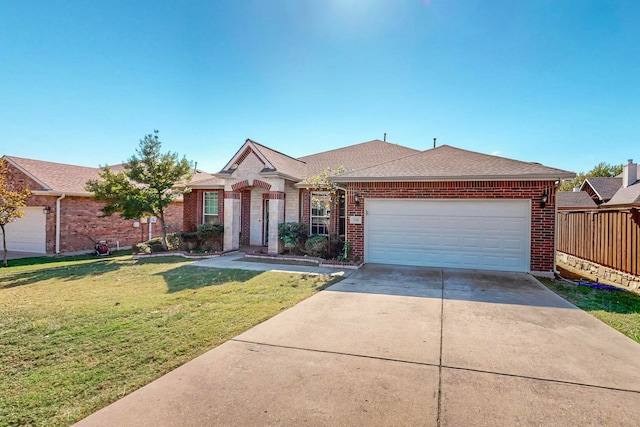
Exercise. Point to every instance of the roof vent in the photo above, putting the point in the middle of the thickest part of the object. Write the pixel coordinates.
(629, 173)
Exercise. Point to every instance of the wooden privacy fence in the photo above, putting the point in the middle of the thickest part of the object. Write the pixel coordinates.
(609, 238)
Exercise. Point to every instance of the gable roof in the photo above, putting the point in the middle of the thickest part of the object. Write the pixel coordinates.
(274, 161)
(446, 163)
(55, 177)
(626, 196)
(574, 199)
(604, 187)
(352, 157)
(281, 162)
(355, 157)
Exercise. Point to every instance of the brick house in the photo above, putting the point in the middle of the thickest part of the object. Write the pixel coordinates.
(61, 216)
(444, 207)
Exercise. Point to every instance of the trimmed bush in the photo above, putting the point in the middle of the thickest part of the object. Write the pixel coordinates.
(317, 246)
(141, 248)
(210, 237)
(293, 235)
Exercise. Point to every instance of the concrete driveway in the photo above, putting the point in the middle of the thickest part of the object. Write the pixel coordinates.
(406, 346)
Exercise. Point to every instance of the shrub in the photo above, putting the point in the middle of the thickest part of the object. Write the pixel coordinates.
(293, 235)
(335, 247)
(155, 244)
(317, 246)
(210, 237)
(173, 242)
(141, 248)
(189, 240)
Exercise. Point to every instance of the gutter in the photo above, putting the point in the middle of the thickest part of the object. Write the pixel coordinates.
(346, 179)
(62, 196)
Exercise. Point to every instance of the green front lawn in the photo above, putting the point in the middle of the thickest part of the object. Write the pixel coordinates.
(77, 334)
(620, 310)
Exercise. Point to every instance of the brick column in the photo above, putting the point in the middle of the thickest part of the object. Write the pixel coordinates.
(231, 220)
(276, 216)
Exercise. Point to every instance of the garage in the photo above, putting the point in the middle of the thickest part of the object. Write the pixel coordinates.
(485, 234)
(27, 234)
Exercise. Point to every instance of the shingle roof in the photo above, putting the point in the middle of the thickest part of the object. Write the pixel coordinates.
(355, 157)
(575, 199)
(626, 196)
(604, 187)
(202, 179)
(281, 162)
(71, 179)
(57, 177)
(450, 163)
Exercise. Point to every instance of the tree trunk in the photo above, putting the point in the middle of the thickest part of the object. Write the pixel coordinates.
(165, 245)
(4, 247)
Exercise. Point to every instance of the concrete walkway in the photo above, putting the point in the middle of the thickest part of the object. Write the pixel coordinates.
(238, 260)
(405, 346)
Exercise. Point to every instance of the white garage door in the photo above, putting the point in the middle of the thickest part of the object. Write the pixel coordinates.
(479, 234)
(27, 234)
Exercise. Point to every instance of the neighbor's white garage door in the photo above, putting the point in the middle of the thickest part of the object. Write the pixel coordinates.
(479, 234)
(27, 234)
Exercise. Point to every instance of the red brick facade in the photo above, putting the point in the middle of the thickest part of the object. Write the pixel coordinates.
(194, 208)
(82, 223)
(542, 219)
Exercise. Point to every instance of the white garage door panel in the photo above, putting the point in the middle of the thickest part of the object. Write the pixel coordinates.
(27, 234)
(483, 234)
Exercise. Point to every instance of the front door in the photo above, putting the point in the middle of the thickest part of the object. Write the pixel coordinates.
(265, 235)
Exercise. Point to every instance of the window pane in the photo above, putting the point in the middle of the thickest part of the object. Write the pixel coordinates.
(320, 211)
(210, 204)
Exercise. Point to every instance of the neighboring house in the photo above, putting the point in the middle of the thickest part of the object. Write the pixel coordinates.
(603, 239)
(61, 216)
(601, 189)
(628, 194)
(575, 200)
(442, 207)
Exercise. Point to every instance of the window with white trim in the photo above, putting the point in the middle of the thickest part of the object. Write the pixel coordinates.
(320, 212)
(210, 211)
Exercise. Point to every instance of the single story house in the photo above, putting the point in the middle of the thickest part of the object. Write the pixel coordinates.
(61, 216)
(443, 207)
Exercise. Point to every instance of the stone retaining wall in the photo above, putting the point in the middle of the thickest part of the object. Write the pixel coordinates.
(594, 271)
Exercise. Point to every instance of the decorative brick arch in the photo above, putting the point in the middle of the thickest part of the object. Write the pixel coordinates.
(238, 186)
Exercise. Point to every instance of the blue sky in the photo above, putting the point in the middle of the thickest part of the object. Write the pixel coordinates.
(556, 82)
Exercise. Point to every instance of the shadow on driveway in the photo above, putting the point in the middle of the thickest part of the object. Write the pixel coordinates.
(451, 284)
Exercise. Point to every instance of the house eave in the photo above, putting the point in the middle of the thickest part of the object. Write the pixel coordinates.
(276, 174)
(339, 179)
(57, 193)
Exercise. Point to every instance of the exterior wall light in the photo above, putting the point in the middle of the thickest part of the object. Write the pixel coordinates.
(357, 199)
(543, 199)
(46, 210)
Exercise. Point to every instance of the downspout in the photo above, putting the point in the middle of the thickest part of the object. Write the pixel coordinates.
(58, 222)
(555, 230)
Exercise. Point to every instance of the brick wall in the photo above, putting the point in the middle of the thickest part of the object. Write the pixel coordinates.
(194, 207)
(542, 219)
(82, 223)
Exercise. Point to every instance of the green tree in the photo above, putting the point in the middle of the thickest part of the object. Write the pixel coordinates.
(145, 187)
(602, 169)
(10, 204)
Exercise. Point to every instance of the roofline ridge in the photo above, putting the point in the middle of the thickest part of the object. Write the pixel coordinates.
(384, 163)
(355, 145)
(275, 151)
